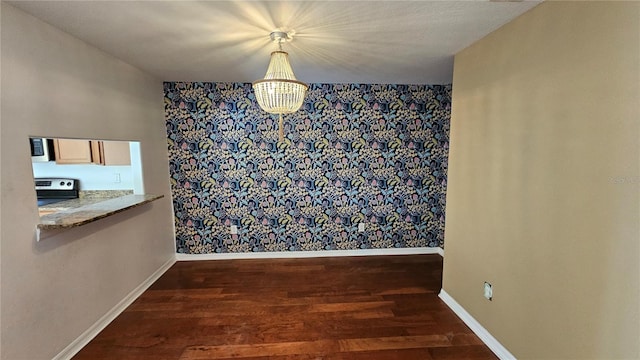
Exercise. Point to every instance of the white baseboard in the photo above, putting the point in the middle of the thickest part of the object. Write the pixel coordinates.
(311, 254)
(90, 333)
(484, 335)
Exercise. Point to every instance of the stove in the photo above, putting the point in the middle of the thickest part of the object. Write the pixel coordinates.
(53, 190)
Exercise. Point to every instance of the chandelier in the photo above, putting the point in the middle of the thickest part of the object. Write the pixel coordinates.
(280, 92)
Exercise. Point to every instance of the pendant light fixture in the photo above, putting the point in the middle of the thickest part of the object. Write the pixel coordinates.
(280, 92)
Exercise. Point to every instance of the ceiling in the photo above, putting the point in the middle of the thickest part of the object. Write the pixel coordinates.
(401, 42)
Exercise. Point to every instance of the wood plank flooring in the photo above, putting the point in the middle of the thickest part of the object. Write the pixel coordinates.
(378, 307)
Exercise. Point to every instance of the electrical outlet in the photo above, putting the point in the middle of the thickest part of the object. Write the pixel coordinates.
(361, 227)
(488, 291)
(116, 178)
(234, 230)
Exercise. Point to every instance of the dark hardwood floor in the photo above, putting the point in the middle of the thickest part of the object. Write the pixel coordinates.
(378, 307)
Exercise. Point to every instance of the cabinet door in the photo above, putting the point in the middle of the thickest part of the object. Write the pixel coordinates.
(70, 151)
(115, 153)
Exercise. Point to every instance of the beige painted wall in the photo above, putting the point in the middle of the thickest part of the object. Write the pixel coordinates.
(544, 176)
(56, 85)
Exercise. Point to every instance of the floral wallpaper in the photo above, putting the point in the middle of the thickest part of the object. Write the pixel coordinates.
(353, 154)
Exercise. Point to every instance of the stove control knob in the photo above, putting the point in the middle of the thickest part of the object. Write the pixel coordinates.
(61, 183)
(69, 183)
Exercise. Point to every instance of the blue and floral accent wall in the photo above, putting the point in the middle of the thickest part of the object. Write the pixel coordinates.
(354, 153)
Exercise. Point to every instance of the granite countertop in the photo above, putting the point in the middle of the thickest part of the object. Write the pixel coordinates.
(87, 197)
(78, 212)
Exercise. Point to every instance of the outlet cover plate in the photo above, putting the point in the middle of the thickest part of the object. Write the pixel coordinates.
(234, 230)
(361, 227)
(488, 291)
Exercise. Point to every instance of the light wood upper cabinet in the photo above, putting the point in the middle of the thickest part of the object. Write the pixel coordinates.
(70, 151)
(115, 153)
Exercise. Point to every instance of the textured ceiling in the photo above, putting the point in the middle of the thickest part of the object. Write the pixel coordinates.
(402, 42)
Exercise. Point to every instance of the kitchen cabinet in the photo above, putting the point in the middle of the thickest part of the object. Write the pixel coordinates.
(71, 151)
(115, 153)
